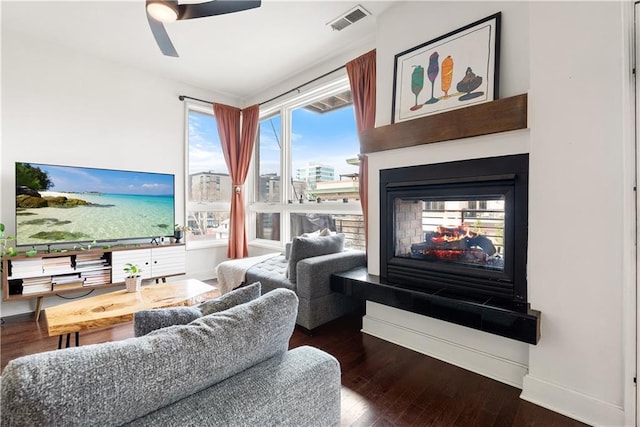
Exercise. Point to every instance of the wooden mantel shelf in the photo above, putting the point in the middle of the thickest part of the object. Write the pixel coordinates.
(490, 117)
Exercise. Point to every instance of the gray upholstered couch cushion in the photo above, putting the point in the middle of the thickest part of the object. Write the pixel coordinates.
(238, 296)
(298, 388)
(306, 247)
(146, 321)
(272, 274)
(117, 382)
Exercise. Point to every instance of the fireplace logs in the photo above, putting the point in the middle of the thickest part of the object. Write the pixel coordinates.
(457, 244)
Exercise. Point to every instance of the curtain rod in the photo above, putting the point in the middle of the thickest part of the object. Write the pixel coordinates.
(183, 97)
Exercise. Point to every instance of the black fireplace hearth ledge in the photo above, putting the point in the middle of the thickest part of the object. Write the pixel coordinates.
(511, 320)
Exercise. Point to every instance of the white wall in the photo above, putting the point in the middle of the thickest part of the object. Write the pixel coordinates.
(66, 108)
(578, 154)
(570, 59)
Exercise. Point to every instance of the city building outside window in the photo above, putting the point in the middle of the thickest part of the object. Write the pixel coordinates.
(207, 184)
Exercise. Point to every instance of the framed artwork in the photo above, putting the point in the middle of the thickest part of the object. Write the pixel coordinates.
(452, 71)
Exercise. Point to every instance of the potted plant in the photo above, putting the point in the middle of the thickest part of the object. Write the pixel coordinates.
(5, 249)
(133, 279)
(178, 232)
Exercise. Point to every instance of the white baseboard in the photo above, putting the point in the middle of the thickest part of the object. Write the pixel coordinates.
(571, 403)
(509, 368)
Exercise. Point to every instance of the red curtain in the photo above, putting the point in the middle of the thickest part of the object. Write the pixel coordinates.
(237, 148)
(362, 79)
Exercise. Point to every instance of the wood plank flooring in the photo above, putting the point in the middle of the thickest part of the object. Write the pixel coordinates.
(382, 384)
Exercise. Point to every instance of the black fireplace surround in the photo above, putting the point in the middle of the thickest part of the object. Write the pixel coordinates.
(503, 179)
(453, 245)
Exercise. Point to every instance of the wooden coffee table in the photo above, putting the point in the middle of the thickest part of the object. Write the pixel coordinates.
(119, 307)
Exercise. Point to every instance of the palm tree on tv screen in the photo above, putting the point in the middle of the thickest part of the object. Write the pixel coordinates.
(32, 177)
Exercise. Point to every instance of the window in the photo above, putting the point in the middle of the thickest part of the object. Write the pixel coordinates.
(324, 147)
(207, 184)
(306, 168)
(268, 149)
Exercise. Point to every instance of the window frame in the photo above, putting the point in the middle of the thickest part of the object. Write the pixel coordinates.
(285, 108)
(211, 206)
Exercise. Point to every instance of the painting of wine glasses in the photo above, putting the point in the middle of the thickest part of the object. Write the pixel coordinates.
(452, 71)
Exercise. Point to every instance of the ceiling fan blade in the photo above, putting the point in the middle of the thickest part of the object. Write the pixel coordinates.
(215, 7)
(162, 38)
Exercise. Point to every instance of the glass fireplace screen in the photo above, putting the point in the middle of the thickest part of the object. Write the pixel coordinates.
(461, 230)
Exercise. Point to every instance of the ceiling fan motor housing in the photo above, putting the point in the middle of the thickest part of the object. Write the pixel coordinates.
(163, 10)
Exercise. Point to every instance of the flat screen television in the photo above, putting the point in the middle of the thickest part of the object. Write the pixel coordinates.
(70, 204)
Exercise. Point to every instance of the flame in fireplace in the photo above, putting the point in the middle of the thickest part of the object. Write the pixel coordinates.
(455, 244)
(452, 234)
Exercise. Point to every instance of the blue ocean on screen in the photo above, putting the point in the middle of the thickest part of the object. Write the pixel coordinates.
(100, 205)
(106, 217)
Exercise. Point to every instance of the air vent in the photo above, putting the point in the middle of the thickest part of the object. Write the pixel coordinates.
(349, 17)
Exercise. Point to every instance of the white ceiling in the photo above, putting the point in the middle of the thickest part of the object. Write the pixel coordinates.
(239, 54)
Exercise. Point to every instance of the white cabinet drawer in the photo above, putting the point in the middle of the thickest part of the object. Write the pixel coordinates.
(168, 261)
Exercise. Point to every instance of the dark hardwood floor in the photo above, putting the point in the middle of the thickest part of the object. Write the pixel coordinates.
(383, 384)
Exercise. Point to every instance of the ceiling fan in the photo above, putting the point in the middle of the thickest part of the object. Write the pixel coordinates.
(160, 12)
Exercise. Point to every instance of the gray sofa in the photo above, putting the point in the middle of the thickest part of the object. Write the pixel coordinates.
(306, 268)
(228, 368)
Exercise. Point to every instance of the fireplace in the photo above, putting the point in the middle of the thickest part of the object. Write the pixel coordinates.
(457, 228)
(453, 236)
(453, 246)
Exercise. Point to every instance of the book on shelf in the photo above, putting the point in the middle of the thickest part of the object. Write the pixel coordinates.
(56, 271)
(67, 278)
(91, 263)
(89, 259)
(26, 262)
(90, 267)
(78, 284)
(57, 260)
(57, 265)
(95, 282)
(28, 281)
(35, 289)
(96, 271)
(88, 284)
(90, 255)
(96, 277)
(103, 272)
(26, 267)
(61, 260)
(34, 285)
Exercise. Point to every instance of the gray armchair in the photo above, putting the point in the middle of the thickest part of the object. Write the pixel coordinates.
(307, 271)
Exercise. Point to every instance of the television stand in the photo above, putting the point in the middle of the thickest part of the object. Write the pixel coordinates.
(57, 273)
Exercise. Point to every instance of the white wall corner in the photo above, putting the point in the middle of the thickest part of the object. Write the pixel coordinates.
(571, 403)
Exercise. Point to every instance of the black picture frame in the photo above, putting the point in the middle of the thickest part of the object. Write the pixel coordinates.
(463, 63)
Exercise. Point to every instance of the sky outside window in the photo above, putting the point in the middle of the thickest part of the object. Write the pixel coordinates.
(270, 145)
(329, 139)
(205, 151)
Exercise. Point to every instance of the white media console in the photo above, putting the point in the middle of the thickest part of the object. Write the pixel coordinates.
(53, 273)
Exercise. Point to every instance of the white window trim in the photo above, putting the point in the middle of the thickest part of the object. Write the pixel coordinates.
(214, 206)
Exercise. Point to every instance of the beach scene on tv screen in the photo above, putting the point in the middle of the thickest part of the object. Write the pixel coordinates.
(62, 204)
